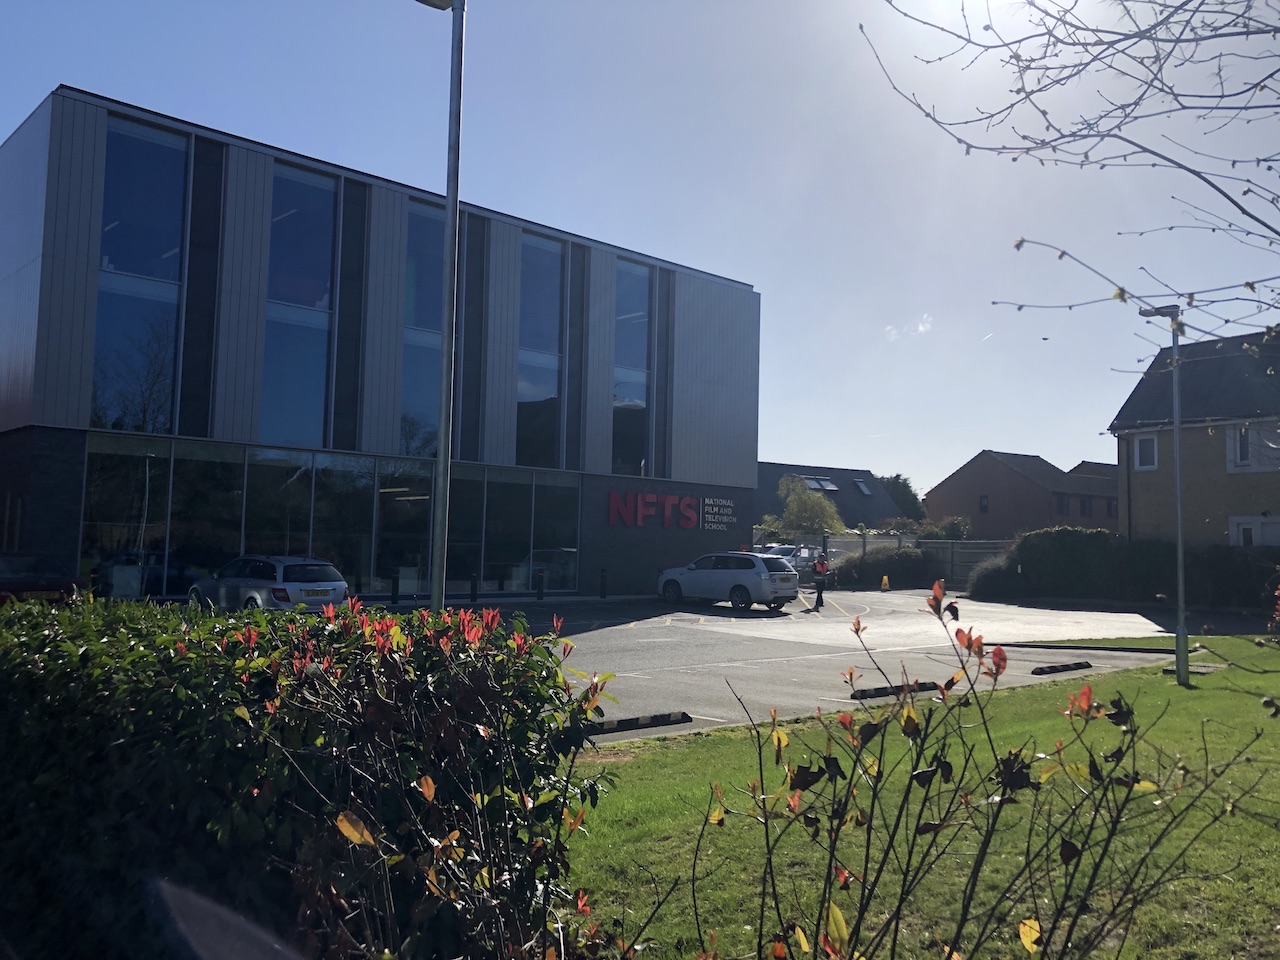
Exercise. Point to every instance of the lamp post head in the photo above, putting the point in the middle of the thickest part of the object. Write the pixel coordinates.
(438, 4)
(1170, 311)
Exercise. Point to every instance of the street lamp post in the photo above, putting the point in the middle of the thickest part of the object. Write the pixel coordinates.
(1173, 313)
(449, 315)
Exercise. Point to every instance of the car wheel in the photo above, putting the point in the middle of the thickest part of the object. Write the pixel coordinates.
(776, 605)
(740, 597)
(251, 603)
(671, 592)
(194, 599)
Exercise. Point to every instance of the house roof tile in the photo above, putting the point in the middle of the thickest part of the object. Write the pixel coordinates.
(1228, 378)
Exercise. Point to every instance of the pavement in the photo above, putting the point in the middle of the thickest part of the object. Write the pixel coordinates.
(701, 666)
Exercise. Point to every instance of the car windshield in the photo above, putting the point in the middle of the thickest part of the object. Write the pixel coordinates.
(776, 565)
(782, 551)
(311, 573)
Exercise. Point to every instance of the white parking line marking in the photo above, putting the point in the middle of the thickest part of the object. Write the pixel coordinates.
(712, 719)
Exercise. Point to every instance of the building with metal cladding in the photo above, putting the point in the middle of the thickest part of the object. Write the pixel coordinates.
(211, 346)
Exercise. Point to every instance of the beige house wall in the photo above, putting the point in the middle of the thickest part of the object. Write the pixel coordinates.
(1211, 495)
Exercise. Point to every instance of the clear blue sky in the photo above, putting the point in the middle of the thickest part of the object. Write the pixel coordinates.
(750, 138)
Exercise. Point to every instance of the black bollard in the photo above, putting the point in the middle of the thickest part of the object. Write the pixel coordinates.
(604, 583)
(539, 582)
(395, 588)
(475, 587)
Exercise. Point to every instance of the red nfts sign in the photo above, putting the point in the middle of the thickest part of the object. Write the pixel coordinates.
(651, 509)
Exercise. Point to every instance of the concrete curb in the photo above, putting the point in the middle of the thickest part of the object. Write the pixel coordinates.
(1061, 668)
(637, 723)
(920, 686)
(1033, 645)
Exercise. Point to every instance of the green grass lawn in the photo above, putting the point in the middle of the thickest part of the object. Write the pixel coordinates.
(642, 837)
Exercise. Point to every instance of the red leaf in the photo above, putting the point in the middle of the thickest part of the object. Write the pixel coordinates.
(999, 660)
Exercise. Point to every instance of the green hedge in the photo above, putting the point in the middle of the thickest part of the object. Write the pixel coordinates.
(1079, 564)
(906, 567)
(356, 782)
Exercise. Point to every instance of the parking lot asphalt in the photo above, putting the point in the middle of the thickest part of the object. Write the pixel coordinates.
(716, 666)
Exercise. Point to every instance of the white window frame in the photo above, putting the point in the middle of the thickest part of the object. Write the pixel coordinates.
(1264, 530)
(1138, 465)
(1241, 440)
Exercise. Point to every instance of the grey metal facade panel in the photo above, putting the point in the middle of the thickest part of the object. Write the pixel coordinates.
(384, 321)
(242, 295)
(502, 344)
(714, 405)
(597, 394)
(69, 278)
(24, 173)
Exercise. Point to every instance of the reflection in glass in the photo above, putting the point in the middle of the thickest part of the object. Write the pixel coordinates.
(555, 532)
(134, 351)
(277, 510)
(632, 311)
(420, 393)
(343, 517)
(299, 317)
(208, 507)
(301, 266)
(541, 321)
(143, 197)
(508, 518)
(295, 374)
(423, 305)
(126, 509)
(403, 543)
(466, 526)
(538, 410)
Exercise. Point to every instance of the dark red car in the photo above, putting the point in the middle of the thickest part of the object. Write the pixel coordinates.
(25, 577)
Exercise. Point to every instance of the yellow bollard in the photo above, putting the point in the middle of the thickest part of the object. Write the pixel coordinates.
(884, 583)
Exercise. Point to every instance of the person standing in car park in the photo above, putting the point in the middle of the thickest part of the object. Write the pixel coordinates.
(819, 579)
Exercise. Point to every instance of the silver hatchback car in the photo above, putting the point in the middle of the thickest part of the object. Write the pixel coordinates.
(740, 578)
(273, 583)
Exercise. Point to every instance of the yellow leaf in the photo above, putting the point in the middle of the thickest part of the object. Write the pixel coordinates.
(354, 830)
(910, 722)
(1029, 933)
(1047, 772)
(243, 713)
(871, 767)
(1146, 786)
(717, 817)
(802, 939)
(1077, 771)
(837, 929)
(780, 742)
(428, 788)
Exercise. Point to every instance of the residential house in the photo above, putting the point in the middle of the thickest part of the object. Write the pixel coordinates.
(1230, 440)
(857, 494)
(1005, 494)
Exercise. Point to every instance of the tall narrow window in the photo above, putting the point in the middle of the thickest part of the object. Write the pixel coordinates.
(423, 305)
(538, 408)
(1243, 454)
(632, 322)
(299, 309)
(139, 280)
(1144, 453)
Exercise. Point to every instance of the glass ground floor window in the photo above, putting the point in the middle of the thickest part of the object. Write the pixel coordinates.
(160, 514)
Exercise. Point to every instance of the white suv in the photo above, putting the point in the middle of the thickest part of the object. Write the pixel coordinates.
(740, 578)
